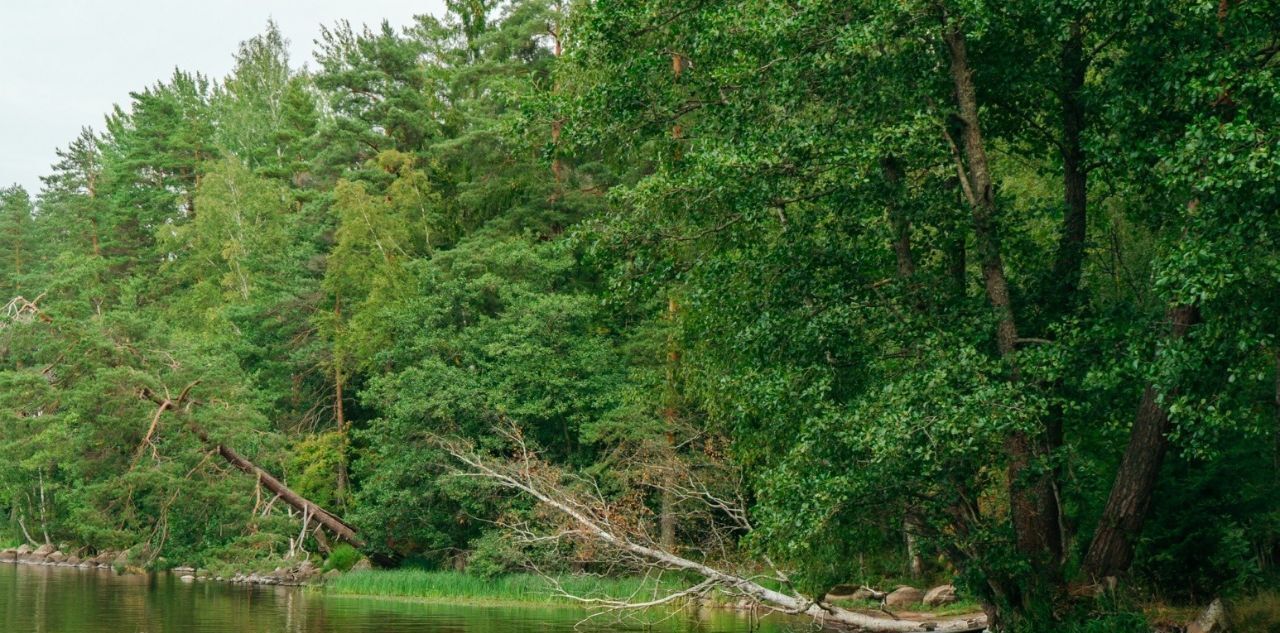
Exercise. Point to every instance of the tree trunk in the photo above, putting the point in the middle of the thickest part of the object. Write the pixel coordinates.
(667, 512)
(1031, 497)
(340, 528)
(1070, 258)
(339, 413)
(898, 221)
(1111, 551)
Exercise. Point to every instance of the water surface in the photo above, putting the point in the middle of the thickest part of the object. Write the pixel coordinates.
(39, 599)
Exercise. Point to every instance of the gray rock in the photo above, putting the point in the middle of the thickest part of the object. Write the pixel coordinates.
(187, 578)
(1212, 620)
(183, 570)
(903, 596)
(57, 557)
(940, 595)
(45, 549)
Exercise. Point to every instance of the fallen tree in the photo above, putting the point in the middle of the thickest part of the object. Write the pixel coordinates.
(310, 510)
(588, 518)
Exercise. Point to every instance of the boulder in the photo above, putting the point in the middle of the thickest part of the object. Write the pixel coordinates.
(9, 556)
(45, 550)
(72, 560)
(867, 593)
(57, 557)
(940, 595)
(903, 596)
(187, 578)
(1212, 620)
(183, 570)
(363, 565)
(24, 549)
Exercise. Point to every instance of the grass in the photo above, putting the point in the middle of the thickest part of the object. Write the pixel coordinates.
(453, 586)
(1258, 612)
(529, 589)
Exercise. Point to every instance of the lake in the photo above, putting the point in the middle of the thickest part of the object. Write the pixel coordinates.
(40, 599)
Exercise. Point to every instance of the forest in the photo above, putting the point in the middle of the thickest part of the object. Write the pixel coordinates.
(825, 292)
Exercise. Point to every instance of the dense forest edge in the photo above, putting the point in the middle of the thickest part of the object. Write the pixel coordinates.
(759, 300)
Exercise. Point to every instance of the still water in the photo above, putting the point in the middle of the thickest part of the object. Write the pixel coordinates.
(37, 599)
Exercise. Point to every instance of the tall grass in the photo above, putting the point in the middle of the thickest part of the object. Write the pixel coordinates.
(515, 588)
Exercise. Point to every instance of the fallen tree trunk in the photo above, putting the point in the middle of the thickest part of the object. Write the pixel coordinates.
(341, 529)
(536, 479)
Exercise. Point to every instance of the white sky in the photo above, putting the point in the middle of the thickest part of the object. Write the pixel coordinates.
(63, 63)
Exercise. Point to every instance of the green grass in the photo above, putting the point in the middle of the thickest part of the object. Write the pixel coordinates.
(526, 589)
(510, 589)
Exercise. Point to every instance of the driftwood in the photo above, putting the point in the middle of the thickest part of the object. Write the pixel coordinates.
(310, 510)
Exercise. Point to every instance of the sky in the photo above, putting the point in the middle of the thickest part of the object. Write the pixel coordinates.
(64, 63)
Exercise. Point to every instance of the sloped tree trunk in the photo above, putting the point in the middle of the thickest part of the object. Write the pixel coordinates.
(1111, 550)
(343, 531)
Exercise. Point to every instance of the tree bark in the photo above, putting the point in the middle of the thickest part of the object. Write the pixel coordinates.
(1031, 497)
(1070, 258)
(1111, 550)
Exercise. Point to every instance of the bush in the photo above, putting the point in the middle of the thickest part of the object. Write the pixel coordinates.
(342, 558)
(493, 555)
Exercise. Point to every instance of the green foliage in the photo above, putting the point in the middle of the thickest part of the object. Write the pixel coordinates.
(342, 558)
(665, 238)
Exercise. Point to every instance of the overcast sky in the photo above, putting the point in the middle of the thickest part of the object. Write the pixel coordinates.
(63, 63)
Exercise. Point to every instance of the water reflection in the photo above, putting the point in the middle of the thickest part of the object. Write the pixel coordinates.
(37, 599)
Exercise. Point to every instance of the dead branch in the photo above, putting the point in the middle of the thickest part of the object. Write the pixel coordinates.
(525, 473)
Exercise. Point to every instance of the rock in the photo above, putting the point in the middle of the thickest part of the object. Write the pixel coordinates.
(187, 578)
(940, 595)
(841, 592)
(45, 550)
(24, 549)
(363, 565)
(867, 593)
(9, 556)
(57, 557)
(903, 596)
(183, 570)
(72, 560)
(1212, 620)
(306, 567)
